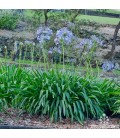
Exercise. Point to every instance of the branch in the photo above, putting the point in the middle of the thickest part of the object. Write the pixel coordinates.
(77, 13)
(111, 53)
(46, 16)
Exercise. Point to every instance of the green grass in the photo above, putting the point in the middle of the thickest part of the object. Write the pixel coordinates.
(28, 13)
(113, 11)
(109, 11)
(80, 69)
(98, 19)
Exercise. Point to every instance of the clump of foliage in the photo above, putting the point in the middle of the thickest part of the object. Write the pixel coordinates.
(11, 78)
(8, 21)
(58, 94)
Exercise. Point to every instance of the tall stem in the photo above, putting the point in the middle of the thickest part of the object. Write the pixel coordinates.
(5, 54)
(63, 57)
(32, 54)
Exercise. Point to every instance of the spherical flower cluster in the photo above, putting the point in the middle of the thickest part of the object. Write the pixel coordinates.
(54, 50)
(63, 35)
(84, 42)
(90, 42)
(44, 34)
(108, 66)
(96, 39)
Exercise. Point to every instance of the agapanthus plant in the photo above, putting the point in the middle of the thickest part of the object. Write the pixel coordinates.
(28, 43)
(44, 34)
(108, 65)
(97, 40)
(64, 35)
(90, 42)
(53, 50)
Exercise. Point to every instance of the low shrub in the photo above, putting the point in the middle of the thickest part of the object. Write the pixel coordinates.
(59, 95)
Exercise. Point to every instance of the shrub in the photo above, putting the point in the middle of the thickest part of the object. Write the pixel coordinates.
(8, 21)
(59, 95)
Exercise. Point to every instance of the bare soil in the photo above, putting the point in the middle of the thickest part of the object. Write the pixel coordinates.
(22, 34)
(14, 118)
(25, 32)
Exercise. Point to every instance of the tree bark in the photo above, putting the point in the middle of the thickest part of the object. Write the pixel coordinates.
(110, 54)
(46, 16)
(76, 14)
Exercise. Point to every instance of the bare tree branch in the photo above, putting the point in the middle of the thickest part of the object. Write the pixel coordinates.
(76, 14)
(110, 54)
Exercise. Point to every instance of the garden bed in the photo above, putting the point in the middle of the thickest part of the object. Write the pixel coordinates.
(13, 120)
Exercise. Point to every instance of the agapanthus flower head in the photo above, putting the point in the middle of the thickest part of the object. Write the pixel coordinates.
(90, 42)
(108, 66)
(63, 35)
(44, 34)
(96, 39)
(54, 50)
(85, 42)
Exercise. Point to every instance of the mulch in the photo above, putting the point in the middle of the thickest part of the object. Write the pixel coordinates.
(13, 119)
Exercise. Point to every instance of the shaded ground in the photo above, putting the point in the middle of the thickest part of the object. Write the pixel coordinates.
(14, 118)
(22, 34)
(23, 31)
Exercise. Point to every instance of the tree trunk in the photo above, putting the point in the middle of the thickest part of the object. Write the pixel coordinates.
(110, 54)
(76, 14)
(46, 16)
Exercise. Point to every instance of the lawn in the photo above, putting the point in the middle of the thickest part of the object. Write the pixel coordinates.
(80, 69)
(115, 11)
(99, 19)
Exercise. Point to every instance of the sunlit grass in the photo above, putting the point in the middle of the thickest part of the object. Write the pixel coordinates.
(80, 69)
(99, 19)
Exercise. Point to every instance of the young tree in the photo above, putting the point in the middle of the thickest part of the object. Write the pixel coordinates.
(46, 16)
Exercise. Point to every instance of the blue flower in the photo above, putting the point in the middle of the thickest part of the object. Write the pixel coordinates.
(64, 35)
(108, 66)
(96, 39)
(54, 50)
(44, 34)
(90, 42)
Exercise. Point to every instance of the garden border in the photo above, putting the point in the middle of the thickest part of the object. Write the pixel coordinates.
(21, 127)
